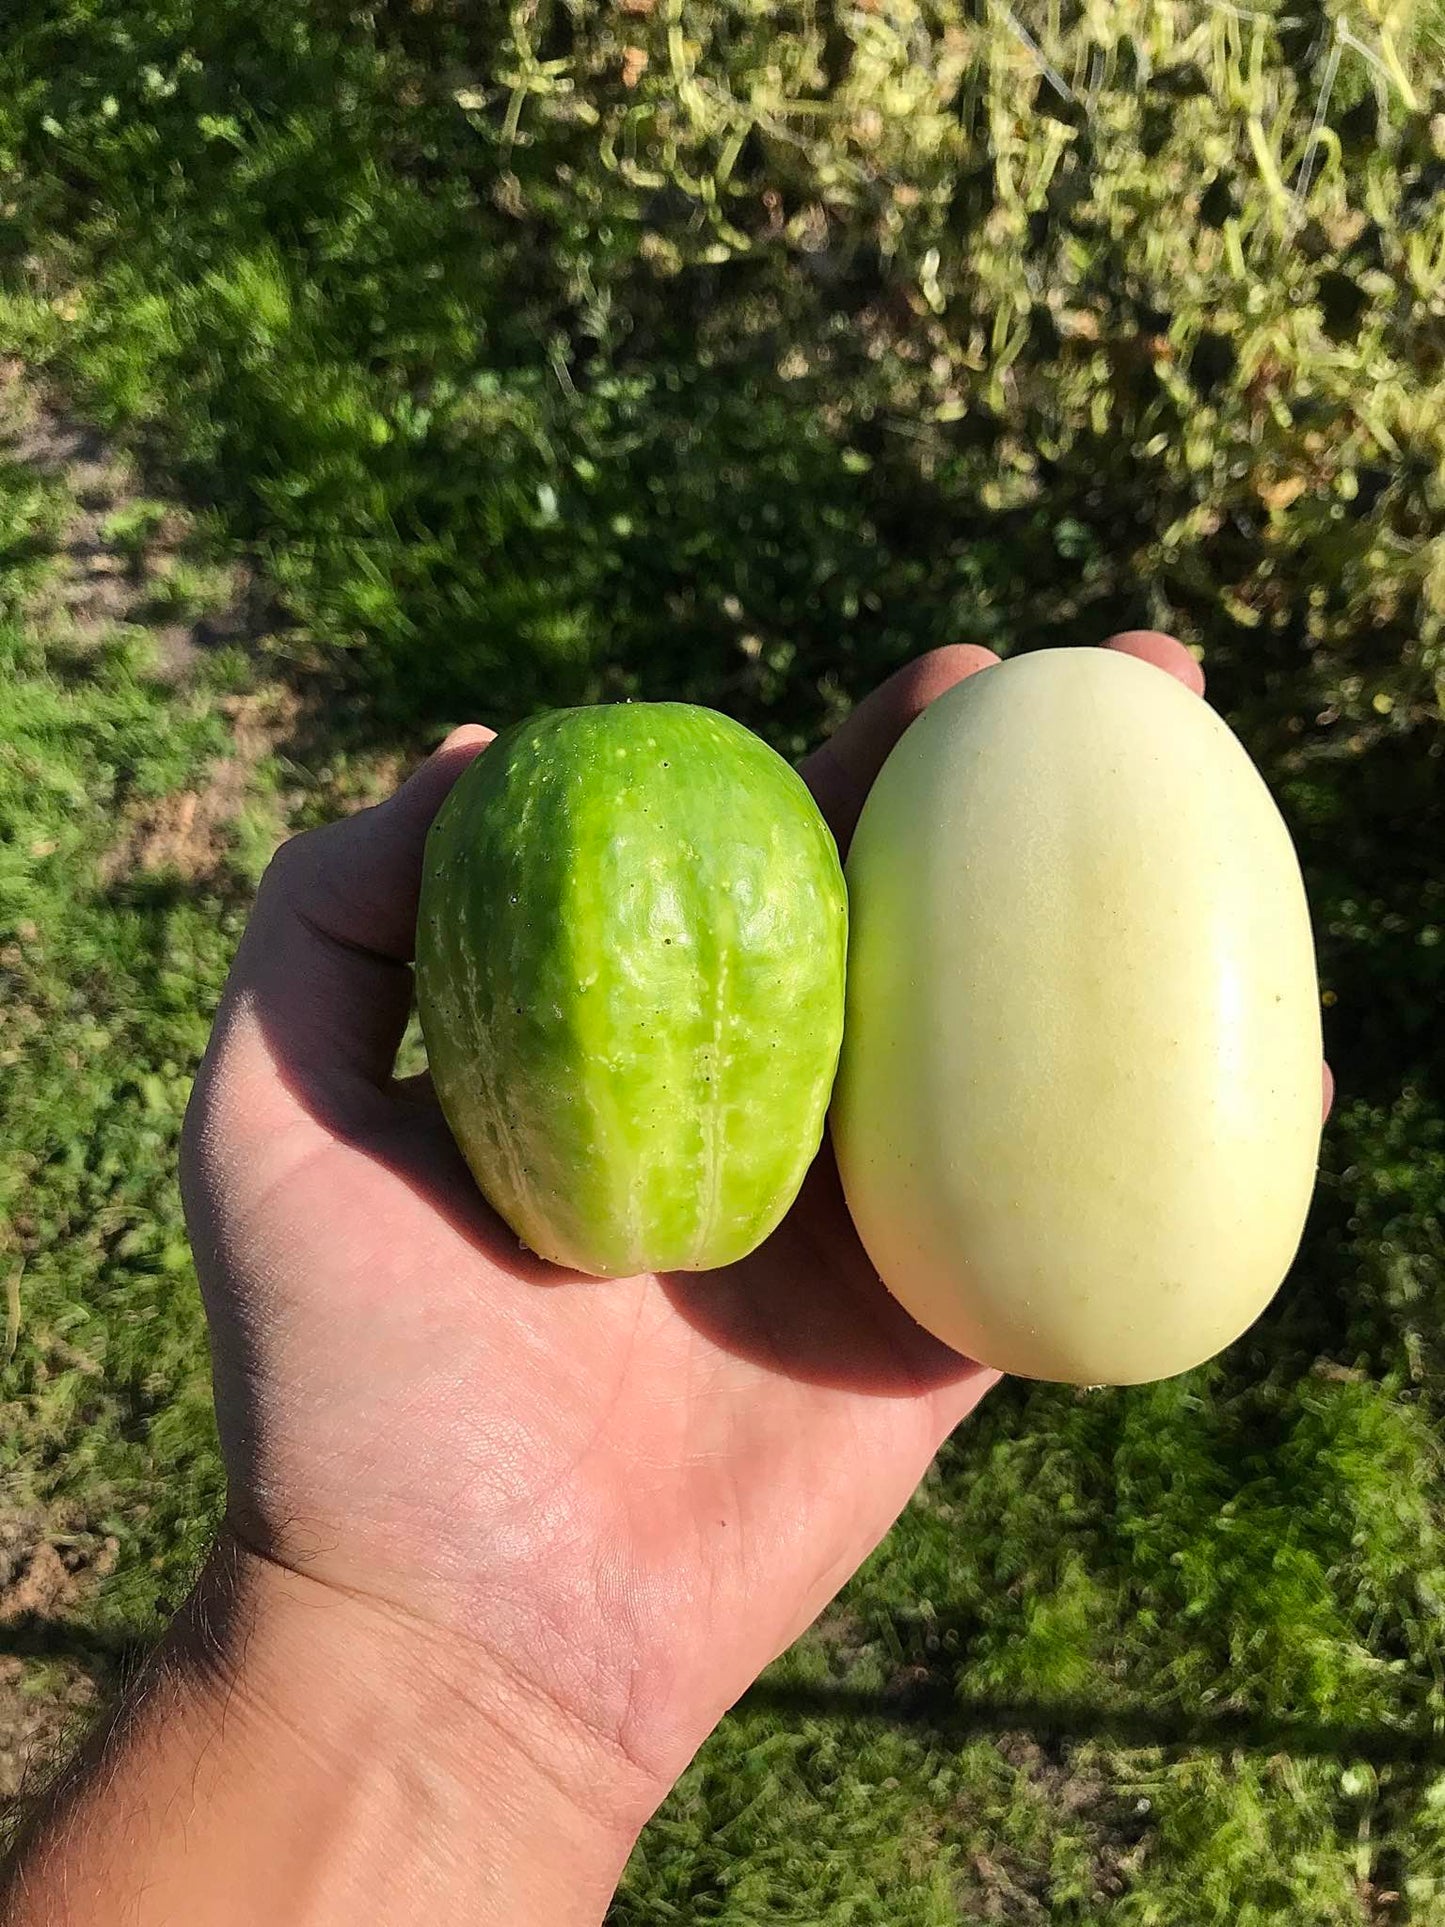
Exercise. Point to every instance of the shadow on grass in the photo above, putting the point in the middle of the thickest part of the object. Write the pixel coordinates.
(110, 1657)
(937, 1708)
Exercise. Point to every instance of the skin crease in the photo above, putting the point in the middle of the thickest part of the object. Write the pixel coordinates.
(623, 1498)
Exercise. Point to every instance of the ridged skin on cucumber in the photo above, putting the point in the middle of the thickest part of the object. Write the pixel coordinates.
(631, 949)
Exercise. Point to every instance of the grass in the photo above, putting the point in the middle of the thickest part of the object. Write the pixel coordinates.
(524, 371)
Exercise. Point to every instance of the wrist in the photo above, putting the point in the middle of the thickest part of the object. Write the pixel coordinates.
(298, 1755)
(411, 1737)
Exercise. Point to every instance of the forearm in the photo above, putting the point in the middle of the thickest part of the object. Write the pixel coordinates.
(289, 1757)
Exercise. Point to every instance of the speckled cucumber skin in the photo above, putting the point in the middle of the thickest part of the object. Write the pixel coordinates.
(631, 947)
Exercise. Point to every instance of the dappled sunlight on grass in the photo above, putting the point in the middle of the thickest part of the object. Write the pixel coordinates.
(521, 369)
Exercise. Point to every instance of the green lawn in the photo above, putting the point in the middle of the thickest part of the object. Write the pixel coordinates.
(371, 369)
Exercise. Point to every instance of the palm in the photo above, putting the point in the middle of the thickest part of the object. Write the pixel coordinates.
(679, 1468)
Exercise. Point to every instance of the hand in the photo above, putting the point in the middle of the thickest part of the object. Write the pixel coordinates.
(629, 1496)
(623, 1498)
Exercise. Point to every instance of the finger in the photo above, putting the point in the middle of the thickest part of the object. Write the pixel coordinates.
(322, 969)
(841, 773)
(1329, 1089)
(1152, 645)
(357, 880)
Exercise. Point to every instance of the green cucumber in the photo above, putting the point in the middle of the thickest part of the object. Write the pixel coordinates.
(631, 949)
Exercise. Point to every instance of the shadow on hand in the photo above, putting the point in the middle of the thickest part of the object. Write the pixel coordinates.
(809, 1304)
(806, 1304)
